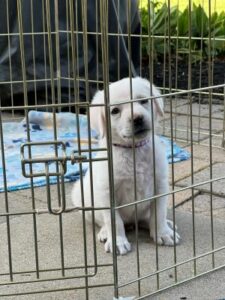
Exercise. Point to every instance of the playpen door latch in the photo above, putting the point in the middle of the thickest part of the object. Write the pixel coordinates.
(48, 160)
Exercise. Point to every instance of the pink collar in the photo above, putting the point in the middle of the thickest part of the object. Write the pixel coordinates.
(137, 145)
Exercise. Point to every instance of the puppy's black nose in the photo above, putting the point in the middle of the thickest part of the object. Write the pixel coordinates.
(138, 121)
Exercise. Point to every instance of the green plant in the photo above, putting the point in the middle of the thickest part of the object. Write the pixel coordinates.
(186, 34)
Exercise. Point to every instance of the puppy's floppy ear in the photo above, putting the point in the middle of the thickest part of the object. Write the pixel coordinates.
(97, 114)
(158, 101)
(147, 89)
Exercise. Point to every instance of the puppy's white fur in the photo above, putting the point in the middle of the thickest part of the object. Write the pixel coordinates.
(124, 132)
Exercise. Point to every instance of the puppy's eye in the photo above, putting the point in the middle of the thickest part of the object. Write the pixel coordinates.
(115, 111)
(144, 101)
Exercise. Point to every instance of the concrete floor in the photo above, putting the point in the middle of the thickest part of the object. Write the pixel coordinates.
(54, 234)
(23, 254)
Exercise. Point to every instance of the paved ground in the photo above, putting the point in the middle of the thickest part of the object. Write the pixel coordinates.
(54, 234)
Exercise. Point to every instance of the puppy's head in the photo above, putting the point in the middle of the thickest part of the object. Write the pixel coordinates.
(127, 120)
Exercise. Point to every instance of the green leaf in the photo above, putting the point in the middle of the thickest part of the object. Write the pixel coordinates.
(182, 28)
(160, 21)
(200, 22)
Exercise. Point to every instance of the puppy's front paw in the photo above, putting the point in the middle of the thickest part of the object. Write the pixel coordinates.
(122, 245)
(165, 236)
(102, 235)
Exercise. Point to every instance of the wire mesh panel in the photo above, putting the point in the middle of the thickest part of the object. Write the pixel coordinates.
(54, 56)
(44, 243)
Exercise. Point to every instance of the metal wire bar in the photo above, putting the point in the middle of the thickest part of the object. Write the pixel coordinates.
(44, 32)
(200, 76)
(52, 76)
(55, 105)
(85, 46)
(91, 286)
(171, 192)
(175, 265)
(191, 128)
(62, 205)
(9, 54)
(22, 52)
(33, 51)
(151, 50)
(130, 71)
(6, 201)
(53, 278)
(223, 137)
(92, 194)
(49, 270)
(104, 45)
(172, 147)
(57, 47)
(210, 81)
(176, 78)
(40, 211)
(44, 26)
(180, 282)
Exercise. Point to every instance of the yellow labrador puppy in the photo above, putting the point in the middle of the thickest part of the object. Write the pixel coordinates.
(151, 169)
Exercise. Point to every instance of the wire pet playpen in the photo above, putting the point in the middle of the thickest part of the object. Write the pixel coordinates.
(54, 55)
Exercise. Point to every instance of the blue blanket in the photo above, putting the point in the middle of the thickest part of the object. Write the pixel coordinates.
(41, 130)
